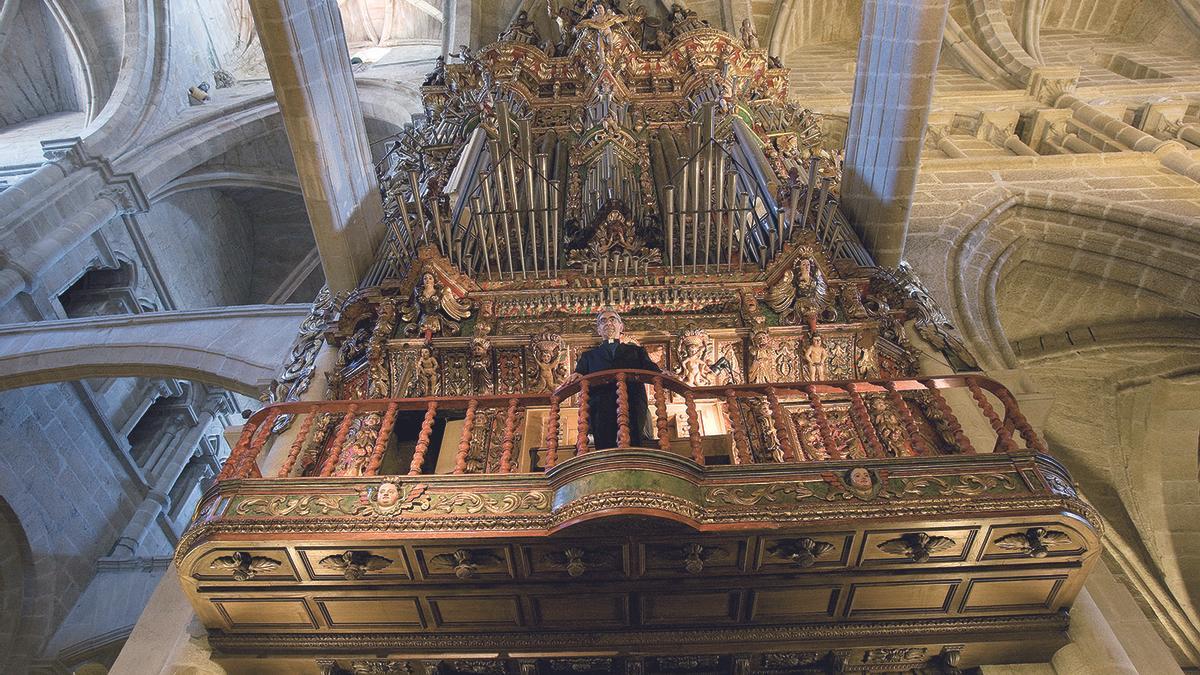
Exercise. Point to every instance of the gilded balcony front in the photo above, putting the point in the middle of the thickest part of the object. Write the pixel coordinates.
(944, 555)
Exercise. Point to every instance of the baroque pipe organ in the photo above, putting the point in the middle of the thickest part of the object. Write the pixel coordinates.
(810, 501)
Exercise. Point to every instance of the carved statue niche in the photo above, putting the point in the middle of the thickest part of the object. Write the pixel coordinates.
(428, 372)
(432, 311)
(549, 362)
(850, 297)
(765, 362)
(815, 360)
(479, 365)
(379, 377)
(697, 365)
(799, 295)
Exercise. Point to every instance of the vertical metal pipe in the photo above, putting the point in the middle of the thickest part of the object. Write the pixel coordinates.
(809, 189)
(669, 222)
(477, 216)
(414, 182)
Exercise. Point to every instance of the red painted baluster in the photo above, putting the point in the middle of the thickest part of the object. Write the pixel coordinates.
(510, 428)
(858, 412)
(660, 413)
(418, 460)
(622, 411)
(552, 433)
(1002, 434)
(737, 427)
(1013, 411)
(960, 439)
(464, 438)
(381, 439)
(339, 439)
(689, 402)
(910, 423)
(297, 446)
(581, 442)
(257, 445)
(783, 427)
(831, 449)
(232, 468)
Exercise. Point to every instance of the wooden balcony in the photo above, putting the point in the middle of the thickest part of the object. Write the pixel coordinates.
(836, 526)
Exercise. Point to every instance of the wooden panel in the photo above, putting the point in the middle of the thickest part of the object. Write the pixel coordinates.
(957, 552)
(311, 559)
(780, 554)
(801, 602)
(592, 610)
(216, 565)
(356, 612)
(896, 597)
(598, 560)
(1011, 593)
(690, 607)
(265, 612)
(715, 557)
(1005, 542)
(486, 611)
(486, 562)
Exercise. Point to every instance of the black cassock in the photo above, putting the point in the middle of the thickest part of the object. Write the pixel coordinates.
(602, 398)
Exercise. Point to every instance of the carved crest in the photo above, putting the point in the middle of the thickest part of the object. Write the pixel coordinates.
(549, 367)
(245, 566)
(354, 564)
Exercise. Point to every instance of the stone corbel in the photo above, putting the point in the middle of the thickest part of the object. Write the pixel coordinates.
(124, 191)
(1047, 83)
(997, 127)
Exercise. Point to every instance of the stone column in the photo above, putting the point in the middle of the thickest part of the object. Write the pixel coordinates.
(1171, 154)
(893, 85)
(309, 62)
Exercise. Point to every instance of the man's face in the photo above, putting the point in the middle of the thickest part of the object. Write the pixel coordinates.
(388, 494)
(609, 326)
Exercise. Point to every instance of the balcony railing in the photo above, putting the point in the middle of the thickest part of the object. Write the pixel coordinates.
(764, 423)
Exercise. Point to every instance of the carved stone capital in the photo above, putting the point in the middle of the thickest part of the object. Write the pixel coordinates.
(1047, 84)
(124, 191)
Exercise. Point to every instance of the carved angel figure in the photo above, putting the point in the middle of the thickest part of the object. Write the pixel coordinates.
(480, 365)
(749, 34)
(521, 30)
(550, 366)
(432, 312)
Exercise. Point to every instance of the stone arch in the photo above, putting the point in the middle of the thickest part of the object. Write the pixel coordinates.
(17, 591)
(236, 348)
(1127, 244)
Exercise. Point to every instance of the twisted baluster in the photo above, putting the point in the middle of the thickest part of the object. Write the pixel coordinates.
(858, 412)
(831, 449)
(660, 413)
(297, 446)
(552, 433)
(464, 438)
(1002, 433)
(783, 427)
(581, 443)
(622, 411)
(737, 424)
(510, 427)
(910, 424)
(418, 460)
(960, 439)
(257, 445)
(381, 439)
(339, 439)
(237, 457)
(1011, 409)
(689, 402)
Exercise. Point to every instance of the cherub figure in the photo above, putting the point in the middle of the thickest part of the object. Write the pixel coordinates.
(550, 368)
(749, 34)
(815, 357)
(427, 372)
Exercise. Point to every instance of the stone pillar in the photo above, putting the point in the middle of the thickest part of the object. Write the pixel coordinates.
(309, 62)
(135, 531)
(1016, 146)
(1094, 648)
(893, 85)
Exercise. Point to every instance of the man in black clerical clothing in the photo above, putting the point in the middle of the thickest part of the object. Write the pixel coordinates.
(602, 398)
